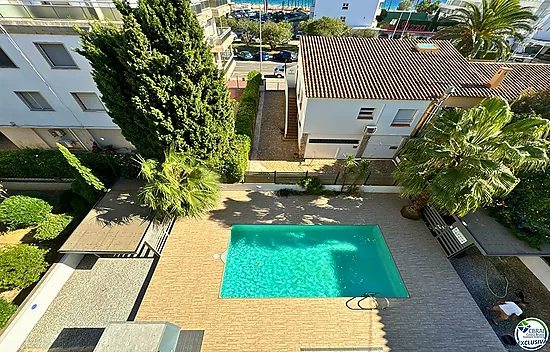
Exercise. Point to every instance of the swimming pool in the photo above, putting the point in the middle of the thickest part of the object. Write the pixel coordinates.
(269, 261)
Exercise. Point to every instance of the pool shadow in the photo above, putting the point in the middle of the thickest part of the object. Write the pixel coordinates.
(267, 208)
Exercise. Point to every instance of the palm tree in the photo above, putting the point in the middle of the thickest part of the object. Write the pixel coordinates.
(350, 164)
(467, 157)
(178, 187)
(480, 29)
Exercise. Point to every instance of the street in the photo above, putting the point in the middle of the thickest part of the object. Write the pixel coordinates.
(243, 67)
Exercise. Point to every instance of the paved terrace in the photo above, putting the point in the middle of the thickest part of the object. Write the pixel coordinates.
(440, 314)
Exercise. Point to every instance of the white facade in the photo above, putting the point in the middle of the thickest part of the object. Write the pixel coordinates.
(331, 129)
(356, 13)
(74, 114)
(451, 5)
(28, 128)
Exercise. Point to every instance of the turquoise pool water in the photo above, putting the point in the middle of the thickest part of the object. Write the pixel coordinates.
(268, 261)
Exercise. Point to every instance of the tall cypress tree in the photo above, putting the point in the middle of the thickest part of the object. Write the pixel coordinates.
(159, 82)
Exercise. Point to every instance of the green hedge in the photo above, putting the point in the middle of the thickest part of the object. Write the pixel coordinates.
(6, 311)
(248, 105)
(237, 163)
(525, 211)
(51, 227)
(21, 266)
(17, 212)
(38, 163)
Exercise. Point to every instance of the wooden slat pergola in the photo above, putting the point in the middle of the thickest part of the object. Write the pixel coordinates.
(117, 224)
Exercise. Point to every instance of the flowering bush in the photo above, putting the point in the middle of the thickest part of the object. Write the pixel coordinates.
(526, 210)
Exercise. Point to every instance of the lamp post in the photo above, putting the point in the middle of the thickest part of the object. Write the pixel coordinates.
(261, 76)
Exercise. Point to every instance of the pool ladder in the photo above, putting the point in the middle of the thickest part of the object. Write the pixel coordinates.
(364, 297)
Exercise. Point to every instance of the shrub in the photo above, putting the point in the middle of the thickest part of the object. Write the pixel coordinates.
(312, 185)
(237, 162)
(51, 227)
(526, 209)
(285, 192)
(80, 187)
(248, 105)
(51, 163)
(21, 266)
(6, 311)
(17, 212)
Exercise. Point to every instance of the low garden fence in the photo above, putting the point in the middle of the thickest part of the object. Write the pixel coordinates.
(326, 178)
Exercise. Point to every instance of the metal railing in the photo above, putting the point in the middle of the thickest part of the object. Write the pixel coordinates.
(326, 178)
(77, 10)
(217, 3)
(103, 10)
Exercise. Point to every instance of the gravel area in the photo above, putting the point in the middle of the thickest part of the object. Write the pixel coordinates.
(471, 269)
(99, 291)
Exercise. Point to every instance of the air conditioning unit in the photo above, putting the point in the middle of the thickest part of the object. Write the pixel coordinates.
(68, 143)
(370, 129)
(57, 133)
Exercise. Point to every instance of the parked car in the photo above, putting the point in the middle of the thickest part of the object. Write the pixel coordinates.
(286, 56)
(265, 56)
(245, 55)
(279, 71)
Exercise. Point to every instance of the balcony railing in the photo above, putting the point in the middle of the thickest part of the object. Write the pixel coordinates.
(222, 34)
(81, 11)
(217, 3)
(73, 11)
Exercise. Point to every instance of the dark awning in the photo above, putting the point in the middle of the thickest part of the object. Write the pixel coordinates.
(494, 239)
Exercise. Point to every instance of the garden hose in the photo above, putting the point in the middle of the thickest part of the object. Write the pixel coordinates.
(487, 281)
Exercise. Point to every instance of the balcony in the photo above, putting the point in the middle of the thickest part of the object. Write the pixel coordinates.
(100, 11)
(219, 7)
(222, 41)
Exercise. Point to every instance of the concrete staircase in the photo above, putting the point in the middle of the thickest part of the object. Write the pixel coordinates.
(292, 124)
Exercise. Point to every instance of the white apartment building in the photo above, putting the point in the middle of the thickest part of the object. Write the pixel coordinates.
(356, 13)
(450, 6)
(366, 97)
(47, 94)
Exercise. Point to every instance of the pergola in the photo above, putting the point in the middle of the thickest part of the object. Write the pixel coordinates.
(118, 225)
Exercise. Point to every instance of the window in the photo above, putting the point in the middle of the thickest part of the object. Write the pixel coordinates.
(5, 61)
(343, 18)
(56, 55)
(404, 117)
(334, 141)
(345, 6)
(365, 114)
(35, 101)
(88, 101)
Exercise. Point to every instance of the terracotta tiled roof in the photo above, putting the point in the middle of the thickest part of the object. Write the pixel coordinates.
(522, 77)
(376, 68)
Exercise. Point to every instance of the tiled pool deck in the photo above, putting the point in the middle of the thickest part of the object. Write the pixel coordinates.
(440, 314)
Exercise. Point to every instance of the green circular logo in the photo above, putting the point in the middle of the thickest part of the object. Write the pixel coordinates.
(531, 334)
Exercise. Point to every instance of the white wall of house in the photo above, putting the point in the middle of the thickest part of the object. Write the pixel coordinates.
(63, 82)
(28, 128)
(358, 13)
(337, 119)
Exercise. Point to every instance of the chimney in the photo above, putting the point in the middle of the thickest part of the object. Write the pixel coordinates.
(497, 79)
